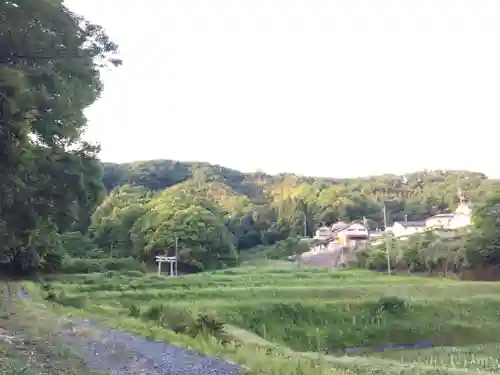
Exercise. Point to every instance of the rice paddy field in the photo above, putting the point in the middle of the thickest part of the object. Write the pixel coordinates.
(303, 320)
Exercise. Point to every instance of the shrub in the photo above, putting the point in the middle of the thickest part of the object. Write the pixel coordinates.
(180, 321)
(390, 304)
(134, 311)
(64, 299)
(76, 244)
(47, 287)
(50, 295)
(154, 313)
(183, 321)
(53, 260)
(208, 324)
(77, 265)
(280, 250)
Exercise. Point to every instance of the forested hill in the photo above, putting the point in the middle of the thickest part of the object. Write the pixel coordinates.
(261, 208)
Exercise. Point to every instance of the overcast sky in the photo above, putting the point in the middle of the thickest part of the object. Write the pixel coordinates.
(330, 88)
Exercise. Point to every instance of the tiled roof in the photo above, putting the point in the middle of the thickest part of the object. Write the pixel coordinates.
(411, 224)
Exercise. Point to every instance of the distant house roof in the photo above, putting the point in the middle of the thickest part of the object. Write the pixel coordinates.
(340, 225)
(324, 229)
(411, 224)
(442, 216)
(336, 228)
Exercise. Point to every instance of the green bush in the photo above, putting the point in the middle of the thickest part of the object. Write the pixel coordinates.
(208, 324)
(79, 302)
(134, 311)
(183, 321)
(279, 251)
(78, 265)
(53, 261)
(390, 304)
(154, 313)
(76, 244)
(180, 321)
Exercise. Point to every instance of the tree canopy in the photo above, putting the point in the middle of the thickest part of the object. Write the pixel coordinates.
(261, 209)
(484, 241)
(51, 179)
(145, 225)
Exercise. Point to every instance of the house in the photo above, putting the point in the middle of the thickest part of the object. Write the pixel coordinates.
(323, 233)
(352, 235)
(439, 221)
(339, 235)
(462, 216)
(341, 232)
(458, 219)
(407, 228)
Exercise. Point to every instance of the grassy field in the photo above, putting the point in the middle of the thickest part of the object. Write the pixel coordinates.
(27, 343)
(302, 321)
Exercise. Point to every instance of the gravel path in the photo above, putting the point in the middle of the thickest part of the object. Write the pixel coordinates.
(119, 353)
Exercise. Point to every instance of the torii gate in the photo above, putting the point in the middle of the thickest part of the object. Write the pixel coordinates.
(172, 260)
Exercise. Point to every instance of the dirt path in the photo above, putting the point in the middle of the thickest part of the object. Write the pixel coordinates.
(115, 352)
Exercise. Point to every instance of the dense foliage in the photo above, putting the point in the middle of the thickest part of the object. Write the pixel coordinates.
(53, 202)
(483, 244)
(50, 179)
(263, 208)
(442, 251)
(139, 223)
(432, 252)
(209, 210)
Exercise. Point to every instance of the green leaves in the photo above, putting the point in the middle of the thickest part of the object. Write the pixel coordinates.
(261, 208)
(182, 213)
(137, 222)
(483, 247)
(49, 61)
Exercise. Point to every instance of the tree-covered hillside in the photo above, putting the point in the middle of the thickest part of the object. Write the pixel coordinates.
(258, 208)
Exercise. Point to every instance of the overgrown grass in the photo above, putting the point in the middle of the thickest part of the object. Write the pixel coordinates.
(27, 345)
(299, 312)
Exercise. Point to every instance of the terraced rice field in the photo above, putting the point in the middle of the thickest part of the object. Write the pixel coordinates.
(340, 318)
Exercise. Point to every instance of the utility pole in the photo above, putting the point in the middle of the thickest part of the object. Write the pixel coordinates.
(305, 225)
(176, 254)
(384, 211)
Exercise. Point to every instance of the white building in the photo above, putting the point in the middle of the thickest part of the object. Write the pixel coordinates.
(439, 221)
(323, 233)
(407, 228)
(459, 219)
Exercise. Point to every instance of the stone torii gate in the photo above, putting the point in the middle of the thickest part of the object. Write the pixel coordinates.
(164, 259)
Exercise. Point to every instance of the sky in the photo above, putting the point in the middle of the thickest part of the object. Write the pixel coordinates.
(325, 88)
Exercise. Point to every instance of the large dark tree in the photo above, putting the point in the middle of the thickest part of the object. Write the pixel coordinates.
(49, 73)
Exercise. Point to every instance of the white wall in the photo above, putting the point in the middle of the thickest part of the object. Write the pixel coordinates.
(400, 230)
(437, 222)
(460, 221)
(356, 229)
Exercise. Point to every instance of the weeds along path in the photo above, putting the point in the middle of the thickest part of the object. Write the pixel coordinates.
(120, 353)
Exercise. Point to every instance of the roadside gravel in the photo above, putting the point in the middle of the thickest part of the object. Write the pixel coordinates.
(119, 353)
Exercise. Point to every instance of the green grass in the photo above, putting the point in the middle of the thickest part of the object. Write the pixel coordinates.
(31, 347)
(481, 357)
(292, 321)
